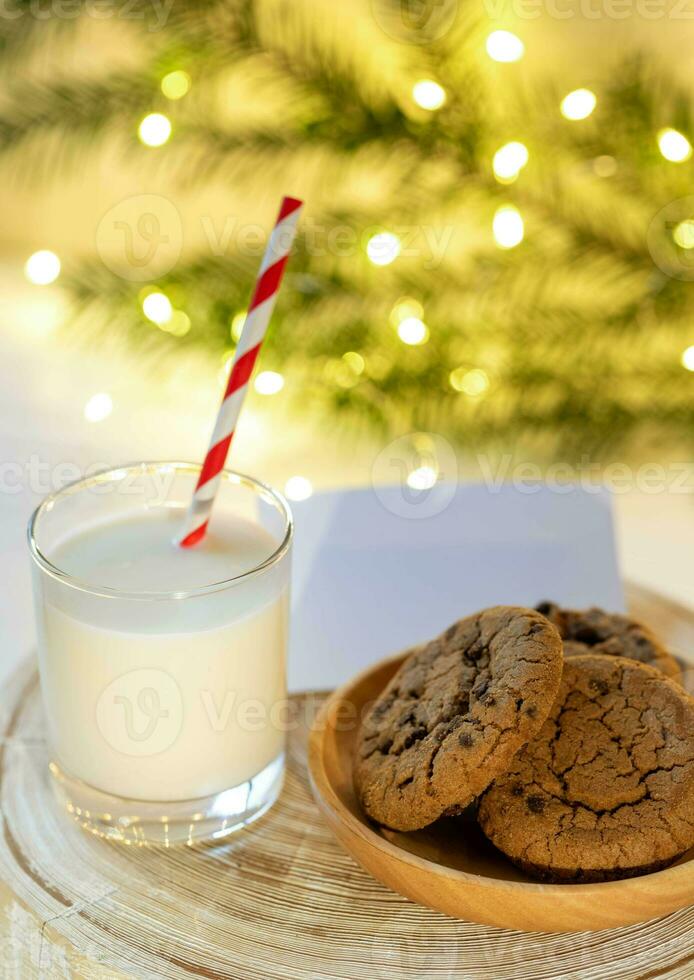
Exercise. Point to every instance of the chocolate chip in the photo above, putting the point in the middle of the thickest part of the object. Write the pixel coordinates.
(480, 689)
(535, 804)
(413, 737)
(599, 685)
(587, 635)
(466, 739)
(516, 789)
(545, 608)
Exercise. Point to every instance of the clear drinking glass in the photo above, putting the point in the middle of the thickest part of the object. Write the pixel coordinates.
(164, 708)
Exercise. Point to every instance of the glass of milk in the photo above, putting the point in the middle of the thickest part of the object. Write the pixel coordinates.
(162, 668)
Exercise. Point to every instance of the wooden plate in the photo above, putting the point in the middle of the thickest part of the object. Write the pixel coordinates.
(451, 866)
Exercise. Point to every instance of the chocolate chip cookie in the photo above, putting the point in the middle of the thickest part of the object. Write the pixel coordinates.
(606, 790)
(596, 631)
(454, 715)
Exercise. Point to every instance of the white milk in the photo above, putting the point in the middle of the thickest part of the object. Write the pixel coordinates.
(158, 699)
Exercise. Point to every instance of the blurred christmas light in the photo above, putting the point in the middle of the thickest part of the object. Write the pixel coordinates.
(688, 358)
(405, 307)
(413, 331)
(157, 308)
(683, 234)
(472, 382)
(578, 104)
(508, 161)
(428, 94)
(674, 146)
(605, 166)
(298, 488)
(42, 268)
(98, 407)
(508, 227)
(237, 323)
(269, 383)
(178, 325)
(354, 361)
(423, 478)
(505, 46)
(383, 248)
(155, 129)
(176, 84)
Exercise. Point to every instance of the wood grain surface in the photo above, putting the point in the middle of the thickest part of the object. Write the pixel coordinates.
(279, 900)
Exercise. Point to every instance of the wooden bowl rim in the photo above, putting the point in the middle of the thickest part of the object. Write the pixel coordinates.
(326, 796)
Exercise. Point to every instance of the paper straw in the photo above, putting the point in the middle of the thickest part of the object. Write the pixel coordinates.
(259, 312)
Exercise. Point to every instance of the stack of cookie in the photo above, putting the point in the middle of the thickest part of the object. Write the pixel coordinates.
(568, 731)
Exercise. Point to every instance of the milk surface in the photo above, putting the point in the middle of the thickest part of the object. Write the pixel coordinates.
(164, 699)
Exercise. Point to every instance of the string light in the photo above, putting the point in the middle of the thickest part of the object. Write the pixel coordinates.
(578, 104)
(178, 325)
(176, 84)
(383, 248)
(674, 145)
(354, 361)
(605, 166)
(688, 358)
(405, 307)
(298, 488)
(413, 331)
(508, 227)
(157, 308)
(237, 323)
(98, 408)
(505, 46)
(42, 268)
(473, 382)
(423, 478)
(155, 129)
(684, 233)
(428, 94)
(508, 161)
(269, 383)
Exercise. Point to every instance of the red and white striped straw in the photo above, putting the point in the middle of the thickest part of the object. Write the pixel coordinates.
(254, 329)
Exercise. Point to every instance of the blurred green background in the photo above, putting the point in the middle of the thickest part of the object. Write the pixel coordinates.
(498, 238)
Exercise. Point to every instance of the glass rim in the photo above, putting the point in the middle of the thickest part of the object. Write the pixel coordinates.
(263, 490)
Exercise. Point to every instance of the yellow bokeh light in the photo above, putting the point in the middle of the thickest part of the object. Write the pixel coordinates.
(383, 248)
(505, 46)
(423, 478)
(472, 382)
(42, 268)
(269, 383)
(405, 307)
(98, 407)
(157, 308)
(509, 160)
(684, 233)
(508, 226)
(236, 328)
(428, 94)
(413, 331)
(355, 361)
(674, 145)
(179, 324)
(176, 84)
(298, 488)
(688, 358)
(155, 129)
(578, 104)
(605, 166)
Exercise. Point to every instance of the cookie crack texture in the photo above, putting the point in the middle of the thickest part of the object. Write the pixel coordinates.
(454, 715)
(606, 789)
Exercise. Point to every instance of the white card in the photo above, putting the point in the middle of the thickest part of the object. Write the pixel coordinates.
(377, 571)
